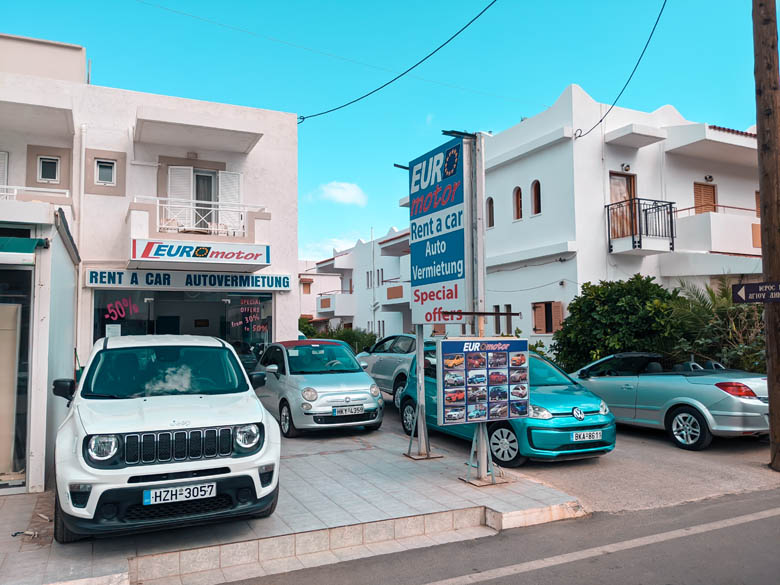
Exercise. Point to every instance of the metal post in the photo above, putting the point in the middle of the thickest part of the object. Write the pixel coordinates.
(422, 428)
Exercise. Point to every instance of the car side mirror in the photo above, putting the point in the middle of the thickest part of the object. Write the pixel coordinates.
(64, 388)
(257, 379)
(272, 369)
(364, 365)
(584, 373)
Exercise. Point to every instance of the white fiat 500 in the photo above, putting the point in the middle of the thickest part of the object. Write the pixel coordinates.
(162, 431)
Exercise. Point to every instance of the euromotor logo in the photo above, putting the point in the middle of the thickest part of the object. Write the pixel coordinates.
(213, 253)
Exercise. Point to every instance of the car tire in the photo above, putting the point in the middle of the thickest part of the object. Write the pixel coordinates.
(372, 428)
(270, 510)
(505, 446)
(687, 428)
(407, 416)
(398, 389)
(61, 532)
(286, 421)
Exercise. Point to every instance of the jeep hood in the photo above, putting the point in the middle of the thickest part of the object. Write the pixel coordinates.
(158, 413)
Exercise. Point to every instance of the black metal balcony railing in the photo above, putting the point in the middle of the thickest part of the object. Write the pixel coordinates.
(638, 218)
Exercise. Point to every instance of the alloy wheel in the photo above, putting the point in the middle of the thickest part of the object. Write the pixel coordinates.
(686, 429)
(503, 444)
(285, 416)
(397, 397)
(408, 417)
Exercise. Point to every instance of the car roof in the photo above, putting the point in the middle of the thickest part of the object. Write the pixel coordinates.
(152, 340)
(298, 342)
(636, 354)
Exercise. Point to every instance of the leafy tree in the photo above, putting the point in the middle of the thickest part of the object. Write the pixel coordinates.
(615, 316)
(305, 327)
(356, 338)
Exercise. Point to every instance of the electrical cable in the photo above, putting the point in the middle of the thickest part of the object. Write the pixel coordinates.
(301, 119)
(578, 133)
(556, 281)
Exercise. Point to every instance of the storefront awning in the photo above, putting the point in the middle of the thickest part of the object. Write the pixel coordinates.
(20, 250)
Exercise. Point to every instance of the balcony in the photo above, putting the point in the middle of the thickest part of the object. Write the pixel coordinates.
(336, 304)
(214, 218)
(394, 292)
(720, 229)
(640, 227)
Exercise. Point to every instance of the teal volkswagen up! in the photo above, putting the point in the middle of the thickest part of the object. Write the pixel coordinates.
(565, 421)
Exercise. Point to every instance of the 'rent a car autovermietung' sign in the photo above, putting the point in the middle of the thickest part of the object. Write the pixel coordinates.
(482, 380)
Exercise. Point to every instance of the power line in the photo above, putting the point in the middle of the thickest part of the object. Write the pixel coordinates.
(578, 133)
(558, 281)
(319, 51)
(301, 119)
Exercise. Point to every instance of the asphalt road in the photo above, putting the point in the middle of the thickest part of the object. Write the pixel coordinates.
(728, 540)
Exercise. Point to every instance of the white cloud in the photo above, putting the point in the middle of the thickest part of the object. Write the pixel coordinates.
(322, 249)
(429, 119)
(346, 193)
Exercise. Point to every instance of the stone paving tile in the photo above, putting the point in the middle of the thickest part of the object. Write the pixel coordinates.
(318, 558)
(212, 577)
(281, 565)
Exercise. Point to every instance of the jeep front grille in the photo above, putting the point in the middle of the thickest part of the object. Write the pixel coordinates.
(166, 446)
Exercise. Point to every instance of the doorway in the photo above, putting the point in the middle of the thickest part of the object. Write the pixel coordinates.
(622, 191)
(205, 198)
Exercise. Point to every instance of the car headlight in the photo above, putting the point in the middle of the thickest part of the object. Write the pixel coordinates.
(374, 389)
(247, 436)
(603, 408)
(309, 394)
(539, 412)
(103, 447)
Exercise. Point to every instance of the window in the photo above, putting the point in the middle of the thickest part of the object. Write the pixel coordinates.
(105, 172)
(368, 279)
(704, 198)
(508, 311)
(758, 203)
(307, 288)
(497, 319)
(547, 317)
(403, 344)
(518, 201)
(536, 198)
(439, 329)
(383, 346)
(489, 212)
(48, 169)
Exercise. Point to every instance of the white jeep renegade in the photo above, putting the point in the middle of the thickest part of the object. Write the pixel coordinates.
(162, 431)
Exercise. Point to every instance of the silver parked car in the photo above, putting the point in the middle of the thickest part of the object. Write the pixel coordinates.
(315, 384)
(692, 403)
(388, 362)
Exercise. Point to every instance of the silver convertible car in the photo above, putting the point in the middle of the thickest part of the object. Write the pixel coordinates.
(691, 402)
(316, 384)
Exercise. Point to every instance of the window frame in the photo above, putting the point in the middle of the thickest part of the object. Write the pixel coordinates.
(517, 204)
(490, 213)
(39, 168)
(113, 164)
(536, 193)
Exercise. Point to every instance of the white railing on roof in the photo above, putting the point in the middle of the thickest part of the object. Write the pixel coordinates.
(10, 192)
(204, 217)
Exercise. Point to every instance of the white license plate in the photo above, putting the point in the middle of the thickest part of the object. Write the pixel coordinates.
(179, 493)
(586, 436)
(344, 410)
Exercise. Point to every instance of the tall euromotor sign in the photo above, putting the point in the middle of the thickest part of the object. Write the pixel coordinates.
(439, 234)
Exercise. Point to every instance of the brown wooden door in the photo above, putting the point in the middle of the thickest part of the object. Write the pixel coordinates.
(704, 198)
(621, 189)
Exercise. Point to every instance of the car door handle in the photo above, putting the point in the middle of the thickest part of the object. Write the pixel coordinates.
(627, 386)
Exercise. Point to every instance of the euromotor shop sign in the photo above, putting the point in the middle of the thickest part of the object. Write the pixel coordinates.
(437, 221)
(185, 280)
(200, 252)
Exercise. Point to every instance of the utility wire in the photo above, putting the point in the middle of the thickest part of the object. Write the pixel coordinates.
(301, 119)
(532, 287)
(578, 133)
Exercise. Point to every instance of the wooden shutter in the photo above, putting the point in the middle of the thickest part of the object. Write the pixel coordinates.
(538, 312)
(230, 193)
(758, 203)
(439, 329)
(557, 315)
(3, 169)
(180, 187)
(518, 203)
(307, 288)
(704, 198)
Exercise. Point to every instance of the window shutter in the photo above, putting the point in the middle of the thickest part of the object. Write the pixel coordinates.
(439, 329)
(181, 187)
(557, 315)
(538, 312)
(704, 198)
(3, 169)
(758, 201)
(230, 193)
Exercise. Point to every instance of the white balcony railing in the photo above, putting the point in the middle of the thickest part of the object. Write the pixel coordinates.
(11, 192)
(203, 217)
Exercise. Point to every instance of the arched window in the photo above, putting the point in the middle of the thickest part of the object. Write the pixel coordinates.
(536, 198)
(489, 211)
(518, 201)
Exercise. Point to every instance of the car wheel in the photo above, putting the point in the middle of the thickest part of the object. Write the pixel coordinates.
(270, 510)
(688, 429)
(286, 422)
(407, 416)
(505, 447)
(400, 384)
(61, 532)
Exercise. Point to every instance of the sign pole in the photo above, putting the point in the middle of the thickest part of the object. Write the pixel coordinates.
(422, 428)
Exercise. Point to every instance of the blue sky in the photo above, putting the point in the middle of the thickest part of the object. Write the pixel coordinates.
(308, 56)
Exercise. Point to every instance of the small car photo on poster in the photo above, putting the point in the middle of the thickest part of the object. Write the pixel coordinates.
(453, 361)
(454, 379)
(475, 360)
(477, 394)
(454, 414)
(518, 409)
(497, 377)
(518, 375)
(517, 359)
(498, 410)
(497, 359)
(455, 396)
(518, 392)
(477, 412)
(476, 377)
(498, 393)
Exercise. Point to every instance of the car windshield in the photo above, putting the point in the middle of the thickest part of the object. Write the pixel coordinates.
(135, 372)
(543, 373)
(326, 358)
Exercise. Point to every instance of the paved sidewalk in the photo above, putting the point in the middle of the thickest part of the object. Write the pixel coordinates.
(349, 493)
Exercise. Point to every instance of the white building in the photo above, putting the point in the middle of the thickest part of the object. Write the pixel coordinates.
(184, 214)
(643, 192)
